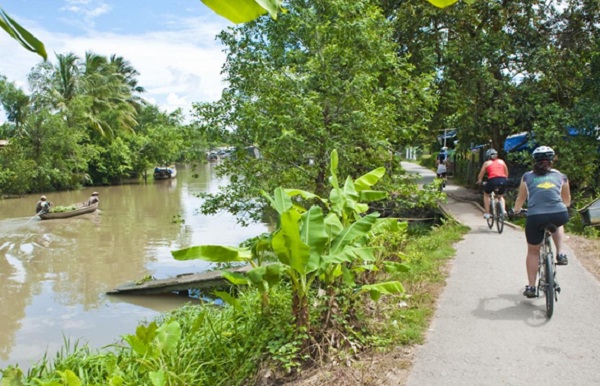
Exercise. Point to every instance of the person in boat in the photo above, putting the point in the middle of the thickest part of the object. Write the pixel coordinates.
(42, 206)
(93, 199)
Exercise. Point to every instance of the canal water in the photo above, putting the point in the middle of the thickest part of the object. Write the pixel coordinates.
(54, 274)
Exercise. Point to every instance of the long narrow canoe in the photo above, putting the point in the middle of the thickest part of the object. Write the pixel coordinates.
(71, 213)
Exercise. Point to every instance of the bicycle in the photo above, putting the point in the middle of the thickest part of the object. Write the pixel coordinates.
(497, 215)
(547, 282)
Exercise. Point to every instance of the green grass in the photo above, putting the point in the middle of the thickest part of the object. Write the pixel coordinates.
(405, 321)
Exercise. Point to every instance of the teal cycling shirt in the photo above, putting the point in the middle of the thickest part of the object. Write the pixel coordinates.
(543, 192)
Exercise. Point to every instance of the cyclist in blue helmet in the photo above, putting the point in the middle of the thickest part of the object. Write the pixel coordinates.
(548, 196)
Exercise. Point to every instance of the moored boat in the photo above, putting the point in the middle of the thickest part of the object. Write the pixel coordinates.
(164, 172)
(70, 213)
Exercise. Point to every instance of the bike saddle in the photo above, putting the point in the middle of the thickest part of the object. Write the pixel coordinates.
(549, 227)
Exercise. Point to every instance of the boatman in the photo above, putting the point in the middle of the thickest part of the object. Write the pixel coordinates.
(93, 199)
(42, 206)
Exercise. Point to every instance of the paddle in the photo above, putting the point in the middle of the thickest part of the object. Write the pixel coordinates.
(45, 208)
(37, 214)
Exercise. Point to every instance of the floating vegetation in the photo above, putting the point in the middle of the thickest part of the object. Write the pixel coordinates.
(145, 279)
(178, 219)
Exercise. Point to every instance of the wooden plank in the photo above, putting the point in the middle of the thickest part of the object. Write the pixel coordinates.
(181, 282)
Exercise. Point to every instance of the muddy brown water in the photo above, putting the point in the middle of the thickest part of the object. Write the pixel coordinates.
(54, 274)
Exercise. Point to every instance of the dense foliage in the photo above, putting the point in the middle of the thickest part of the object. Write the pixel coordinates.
(510, 67)
(325, 75)
(85, 123)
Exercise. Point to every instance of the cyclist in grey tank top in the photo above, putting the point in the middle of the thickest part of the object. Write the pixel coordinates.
(544, 192)
(548, 196)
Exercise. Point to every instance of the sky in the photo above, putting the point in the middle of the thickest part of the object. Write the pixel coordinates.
(171, 43)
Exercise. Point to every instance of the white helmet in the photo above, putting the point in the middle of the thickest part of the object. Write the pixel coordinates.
(543, 153)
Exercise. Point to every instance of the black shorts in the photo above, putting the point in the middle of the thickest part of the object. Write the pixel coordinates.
(441, 175)
(498, 182)
(534, 231)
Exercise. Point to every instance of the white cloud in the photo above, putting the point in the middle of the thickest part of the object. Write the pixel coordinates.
(84, 12)
(176, 67)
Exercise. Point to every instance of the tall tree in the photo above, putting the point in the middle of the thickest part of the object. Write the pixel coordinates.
(324, 76)
(15, 102)
(109, 96)
(481, 53)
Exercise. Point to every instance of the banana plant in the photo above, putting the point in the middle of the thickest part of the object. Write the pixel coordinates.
(310, 244)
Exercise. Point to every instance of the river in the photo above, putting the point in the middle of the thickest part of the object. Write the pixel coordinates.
(54, 274)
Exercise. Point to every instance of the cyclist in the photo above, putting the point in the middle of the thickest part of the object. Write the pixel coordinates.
(548, 195)
(497, 173)
(440, 162)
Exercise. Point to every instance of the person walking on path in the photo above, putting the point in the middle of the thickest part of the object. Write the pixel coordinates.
(497, 173)
(548, 196)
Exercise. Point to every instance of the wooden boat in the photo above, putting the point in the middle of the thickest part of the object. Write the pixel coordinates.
(164, 172)
(72, 213)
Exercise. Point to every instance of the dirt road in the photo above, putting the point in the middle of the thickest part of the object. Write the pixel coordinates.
(485, 332)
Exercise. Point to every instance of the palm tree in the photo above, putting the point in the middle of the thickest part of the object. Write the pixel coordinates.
(109, 96)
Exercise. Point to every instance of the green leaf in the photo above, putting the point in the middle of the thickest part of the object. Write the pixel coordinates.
(393, 266)
(271, 274)
(282, 201)
(213, 253)
(371, 178)
(304, 194)
(168, 336)
(11, 376)
(348, 255)
(227, 298)
(144, 335)
(387, 288)
(388, 225)
(272, 6)
(235, 278)
(69, 378)
(333, 225)
(355, 231)
(288, 245)
(236, 11)
(442, 3)
(157, 377)
(372, 195)
(20, 34)
(333, 164)
(115, 380)
(364, 253)
(314, 235)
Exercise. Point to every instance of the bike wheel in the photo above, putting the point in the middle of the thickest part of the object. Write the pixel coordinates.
(490, 220)
(499, 216)
(549, 285)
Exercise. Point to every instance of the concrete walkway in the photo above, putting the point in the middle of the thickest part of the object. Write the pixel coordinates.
(485, 332)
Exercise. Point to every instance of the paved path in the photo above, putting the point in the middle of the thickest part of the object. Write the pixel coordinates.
(485, 332)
